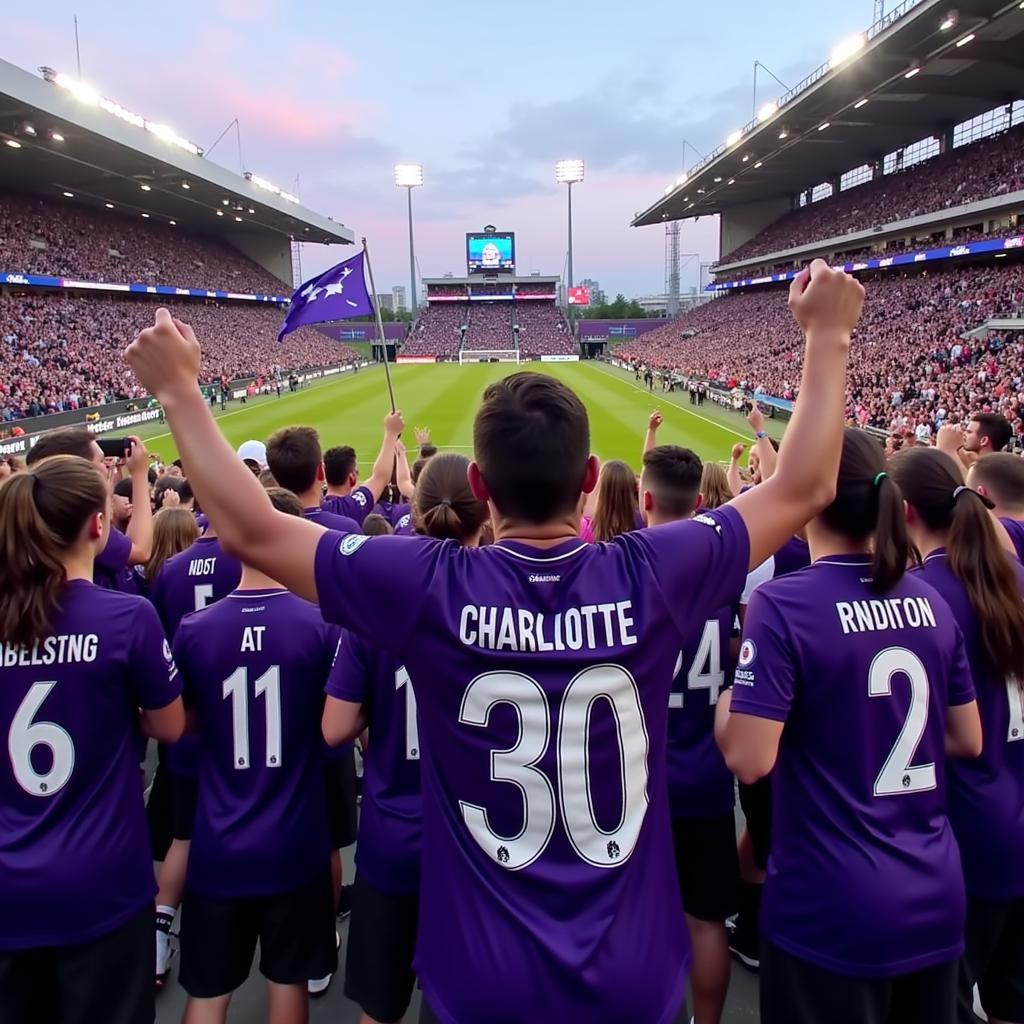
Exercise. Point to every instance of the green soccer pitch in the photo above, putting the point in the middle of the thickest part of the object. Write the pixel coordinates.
(351, 409)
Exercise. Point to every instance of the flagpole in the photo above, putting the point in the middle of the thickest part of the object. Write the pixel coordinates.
(380, 325)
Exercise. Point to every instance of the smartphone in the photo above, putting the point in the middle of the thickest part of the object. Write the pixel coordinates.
(115, 447)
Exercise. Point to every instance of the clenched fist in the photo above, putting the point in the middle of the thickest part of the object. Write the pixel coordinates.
(823, 299)
(165, 357)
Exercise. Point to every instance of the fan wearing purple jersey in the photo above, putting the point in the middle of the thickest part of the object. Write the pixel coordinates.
(1000, 477)
(700, 786)
(254, 667)
(77, 663)
(345, 495)
(983, 585)
(852, 684)
(187, 582)
(370, 688)
(544, 667)
(122, 550)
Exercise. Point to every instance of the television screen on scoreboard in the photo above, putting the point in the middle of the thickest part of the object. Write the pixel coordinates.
(579, 296)
(491, 253)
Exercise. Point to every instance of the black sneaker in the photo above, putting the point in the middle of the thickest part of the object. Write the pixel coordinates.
(742, 946)
(345, 901)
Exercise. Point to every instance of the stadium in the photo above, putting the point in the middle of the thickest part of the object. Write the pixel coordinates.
(900, 162)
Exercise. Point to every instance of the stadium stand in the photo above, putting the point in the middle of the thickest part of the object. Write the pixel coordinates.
(991, 167)
(543, 331)
(63, 352)
(437, 331)
(909, 361)
(38, 236)
(490, 327)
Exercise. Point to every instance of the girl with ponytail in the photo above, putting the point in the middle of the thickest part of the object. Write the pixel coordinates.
(77, 663)
(983, 584)
(370, 689)
(852, 686)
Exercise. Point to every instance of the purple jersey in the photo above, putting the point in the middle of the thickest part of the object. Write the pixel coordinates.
(75, 860)
(793, 555)
(404, 527)
(1015, 528)
(254, 667)
(187, 582)
(543, 678)
(332, 521)
(388, 851)
(111, 569)
(700, 784)
(864, 875)
(986, 794)
(356, 505)
(393, 512)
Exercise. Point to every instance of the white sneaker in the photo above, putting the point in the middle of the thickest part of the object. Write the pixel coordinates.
(979, 1010)
(318, 986)
(164, 952)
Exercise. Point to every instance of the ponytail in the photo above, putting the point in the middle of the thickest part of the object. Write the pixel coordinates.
(976, 558)
(42, 514)
(443, 505)
(869, 505)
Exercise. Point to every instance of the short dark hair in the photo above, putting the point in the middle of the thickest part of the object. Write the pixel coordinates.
(672, 475)
(164, 484)
(531, 438)
(123, 488)
(62, 441)
(375, 525)
(285, 501)
(339, 462)
(293, 456)
(995, 427)
(1002, 475)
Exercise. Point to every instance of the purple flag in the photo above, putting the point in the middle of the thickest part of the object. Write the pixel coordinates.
(338, 294)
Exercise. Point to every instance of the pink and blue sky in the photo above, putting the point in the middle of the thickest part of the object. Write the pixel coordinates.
(487, 97)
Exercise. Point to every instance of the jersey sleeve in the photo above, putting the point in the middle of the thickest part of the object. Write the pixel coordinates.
(961, 682)
(376, 586)
(765, 681)
(116, 553)
(698, 563)
(349, 678)
(155, 677)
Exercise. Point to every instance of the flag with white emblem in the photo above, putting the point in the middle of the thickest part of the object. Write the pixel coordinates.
(338, 294)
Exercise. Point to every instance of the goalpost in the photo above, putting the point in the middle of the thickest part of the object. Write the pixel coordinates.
(501, 355)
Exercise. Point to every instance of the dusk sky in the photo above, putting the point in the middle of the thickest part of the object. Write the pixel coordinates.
(485, 97)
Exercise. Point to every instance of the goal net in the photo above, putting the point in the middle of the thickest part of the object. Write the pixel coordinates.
(495, 355)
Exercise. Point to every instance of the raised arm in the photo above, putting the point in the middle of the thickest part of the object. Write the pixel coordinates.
(140, 527)
(651, 437)
(826, 304)
(402, 475)
(950, 441)
(762, 444)
(380, 475)
(165, 358)
(732, 474)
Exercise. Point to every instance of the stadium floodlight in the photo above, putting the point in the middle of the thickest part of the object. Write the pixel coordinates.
(718, 179)
(767, 111)
(56, 137)
(733, 137)
(783, 134)
(847, 49)
(758, 164)
(109, 206)
(68, 195)
(29, 129)
(731, 181)
(681, 180)
(912, 72)
(966, 39)
(267, 186)
(824, 125)
(860, 103)
(173, 223)
(746, 157)
(185, 185)
(239, 219)
(220, 213)
(146, 188)
(146, 215)
(409, 176)
(569, 172)
(13, 143)
(948, 22)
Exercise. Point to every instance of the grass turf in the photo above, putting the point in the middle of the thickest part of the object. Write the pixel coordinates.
(351, 410)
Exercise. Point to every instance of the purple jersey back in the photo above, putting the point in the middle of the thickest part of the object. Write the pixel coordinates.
(356, 505)
(404, 527)
(388, 851)
(542, 679)
(111, 569)
(187, 582)
(864, 875)
(254, 667)
(986, 794)
(700, 784)
(1015, 528)
(332, 521)
(75, 860)
(791, 557)
(393, 512)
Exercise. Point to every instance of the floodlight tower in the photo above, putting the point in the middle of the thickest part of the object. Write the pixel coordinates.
(409, 176)
(569, 172)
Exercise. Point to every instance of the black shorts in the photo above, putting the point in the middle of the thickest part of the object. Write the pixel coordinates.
(342, 789)
(160, 810)
(109, 979)
(295, 931)
(185, 795)
(756, 801)
(381, 943)
(794, 991)
(708, 866)
(994, 960)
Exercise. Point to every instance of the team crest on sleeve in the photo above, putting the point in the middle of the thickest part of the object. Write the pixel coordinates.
(359, 498)
(748, 652)
(709, 521)
(167, 652)
(404, 522)
(351, 543)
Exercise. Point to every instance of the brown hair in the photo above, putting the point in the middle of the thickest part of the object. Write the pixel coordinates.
(294, 456)
(868, 504)
(63, 441)
(375, 525)
(339, 463)
(285, 501)
(42, 514)
(531, 439)
(930, 483)
(443, 505)
(174, 529)
(714, 485)
(616, 508)
(995, 427)
(672, 475)
(1002, 475)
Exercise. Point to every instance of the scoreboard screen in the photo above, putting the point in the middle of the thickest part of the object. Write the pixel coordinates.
(491, 252)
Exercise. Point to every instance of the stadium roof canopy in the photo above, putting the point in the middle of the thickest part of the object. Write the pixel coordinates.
(915, 79)
(67, 144)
